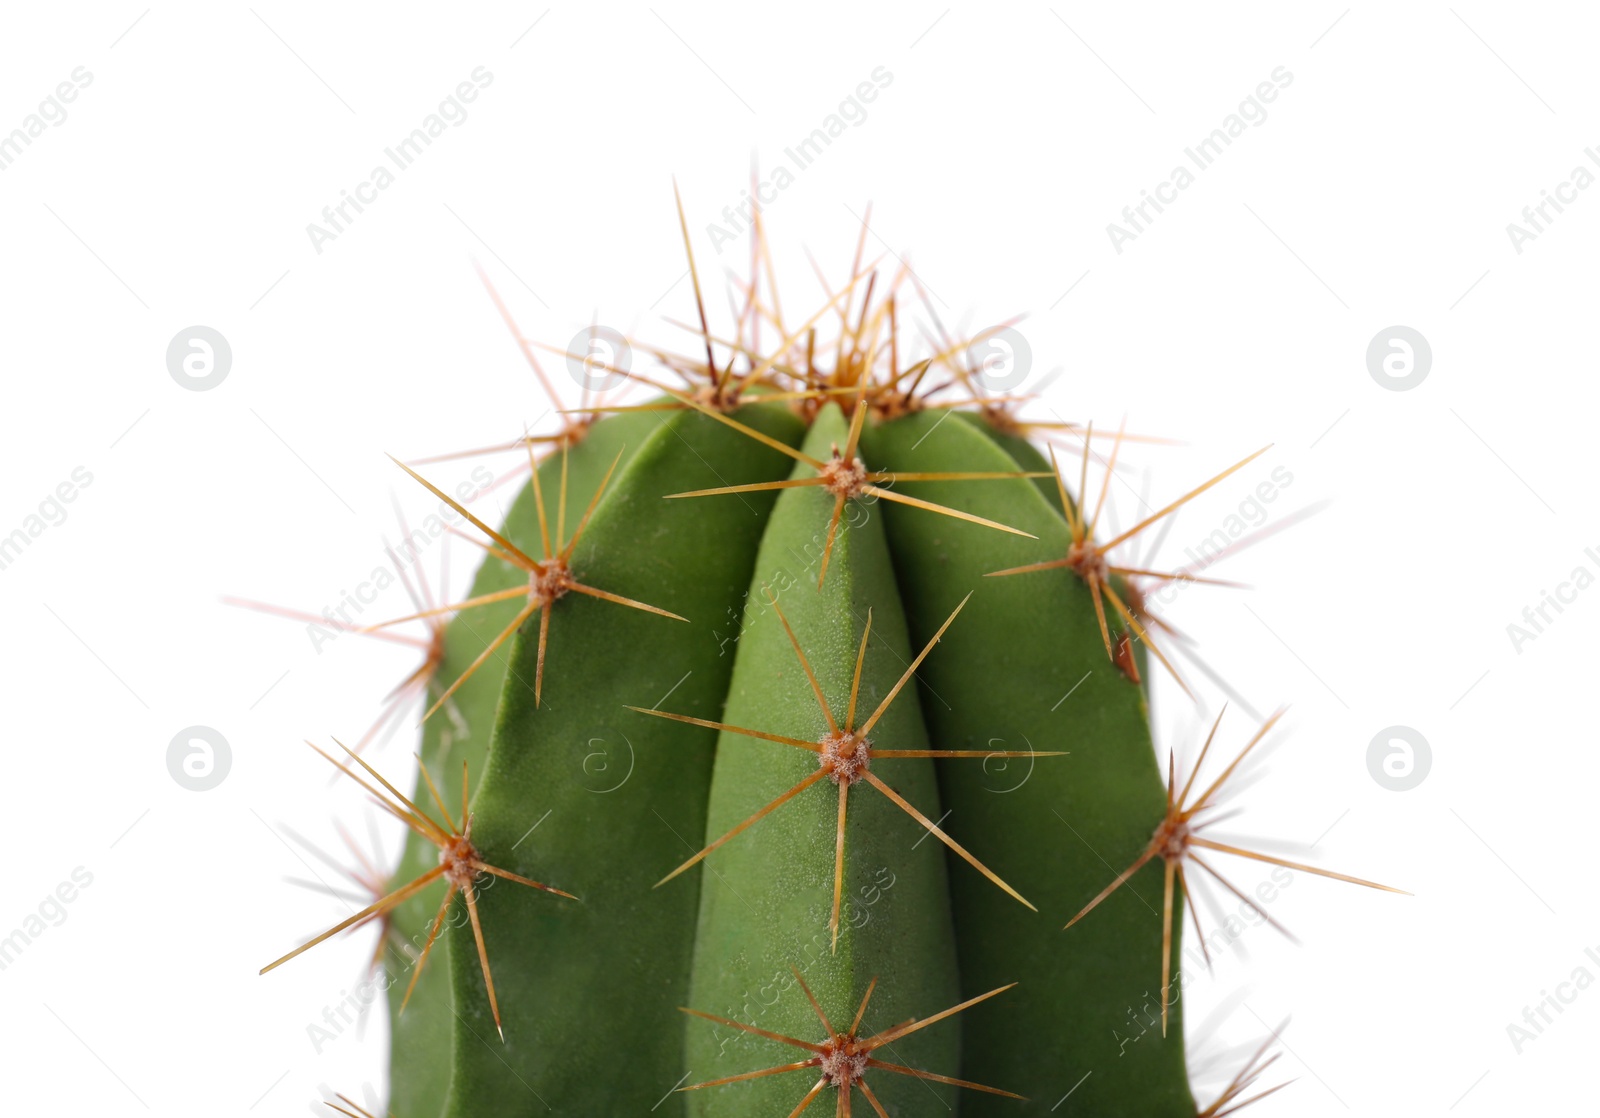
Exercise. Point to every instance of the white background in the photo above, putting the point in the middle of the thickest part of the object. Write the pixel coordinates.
(1377, 192)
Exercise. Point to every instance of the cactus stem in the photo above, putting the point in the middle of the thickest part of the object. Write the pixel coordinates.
(549, 579)
(1179, 832)
(459, 865)
(844, 756)
(845, 1058)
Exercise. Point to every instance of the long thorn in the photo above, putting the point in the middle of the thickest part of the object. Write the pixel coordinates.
(1189, 496)
(756, 818)
(723, 726)
(915, 664)
(816, 687)
(933, 828)
(916, 502)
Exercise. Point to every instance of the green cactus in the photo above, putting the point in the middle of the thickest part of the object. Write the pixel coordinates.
(783, 701)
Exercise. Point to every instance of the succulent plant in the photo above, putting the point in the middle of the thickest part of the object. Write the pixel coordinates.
(792, 572)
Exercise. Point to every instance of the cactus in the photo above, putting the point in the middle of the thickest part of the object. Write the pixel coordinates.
(709, 618)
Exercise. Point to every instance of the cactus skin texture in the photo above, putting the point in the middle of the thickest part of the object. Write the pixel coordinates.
(757, 921)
